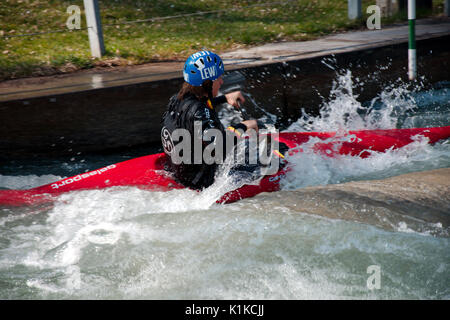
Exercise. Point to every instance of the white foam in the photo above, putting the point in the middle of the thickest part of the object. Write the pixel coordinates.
(309, 168)
(124, 242)
(343, 111)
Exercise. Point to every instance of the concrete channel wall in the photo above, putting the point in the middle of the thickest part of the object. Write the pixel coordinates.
(119, 117)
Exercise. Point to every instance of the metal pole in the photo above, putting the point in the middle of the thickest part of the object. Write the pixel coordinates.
(354, 9)
(412, 58)
(94, 25)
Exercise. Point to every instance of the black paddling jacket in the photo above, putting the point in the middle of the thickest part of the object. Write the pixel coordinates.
(181, 114)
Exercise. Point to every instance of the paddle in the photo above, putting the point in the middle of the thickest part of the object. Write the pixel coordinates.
(243, 113)
(261, 125)
(245, 116)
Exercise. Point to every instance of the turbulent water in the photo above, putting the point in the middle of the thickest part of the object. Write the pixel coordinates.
(334, 222)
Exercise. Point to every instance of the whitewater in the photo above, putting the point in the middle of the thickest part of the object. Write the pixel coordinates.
(315, 239)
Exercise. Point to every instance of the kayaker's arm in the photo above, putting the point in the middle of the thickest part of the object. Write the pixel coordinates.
(218, 100)
(208, 122)
(235, 97)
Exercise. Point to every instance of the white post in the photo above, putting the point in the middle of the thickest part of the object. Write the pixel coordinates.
(412, 58)
(94, 25)
(447, 8)
(354, 9)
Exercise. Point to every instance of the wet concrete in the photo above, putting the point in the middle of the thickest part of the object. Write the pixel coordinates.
(418, 202)
(96, 111)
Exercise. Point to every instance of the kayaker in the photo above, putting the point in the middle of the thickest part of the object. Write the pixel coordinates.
(196, 102)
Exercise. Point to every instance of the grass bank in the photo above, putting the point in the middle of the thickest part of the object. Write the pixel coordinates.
(242, 23)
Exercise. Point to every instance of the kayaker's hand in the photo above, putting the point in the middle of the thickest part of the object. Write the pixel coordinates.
(251, 124)
(233, 97)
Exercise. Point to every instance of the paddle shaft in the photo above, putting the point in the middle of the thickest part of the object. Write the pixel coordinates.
(243, 113)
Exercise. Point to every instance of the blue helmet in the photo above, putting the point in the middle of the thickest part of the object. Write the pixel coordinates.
(201, 66)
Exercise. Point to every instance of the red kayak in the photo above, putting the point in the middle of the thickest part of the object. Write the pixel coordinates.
(147, 172)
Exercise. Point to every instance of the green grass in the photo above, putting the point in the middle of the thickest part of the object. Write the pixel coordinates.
(173, 39)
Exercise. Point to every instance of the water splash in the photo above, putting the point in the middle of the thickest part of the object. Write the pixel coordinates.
(344, 112)
(122, 243)
(309, 168)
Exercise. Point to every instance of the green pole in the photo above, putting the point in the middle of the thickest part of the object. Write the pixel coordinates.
(412, 58)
